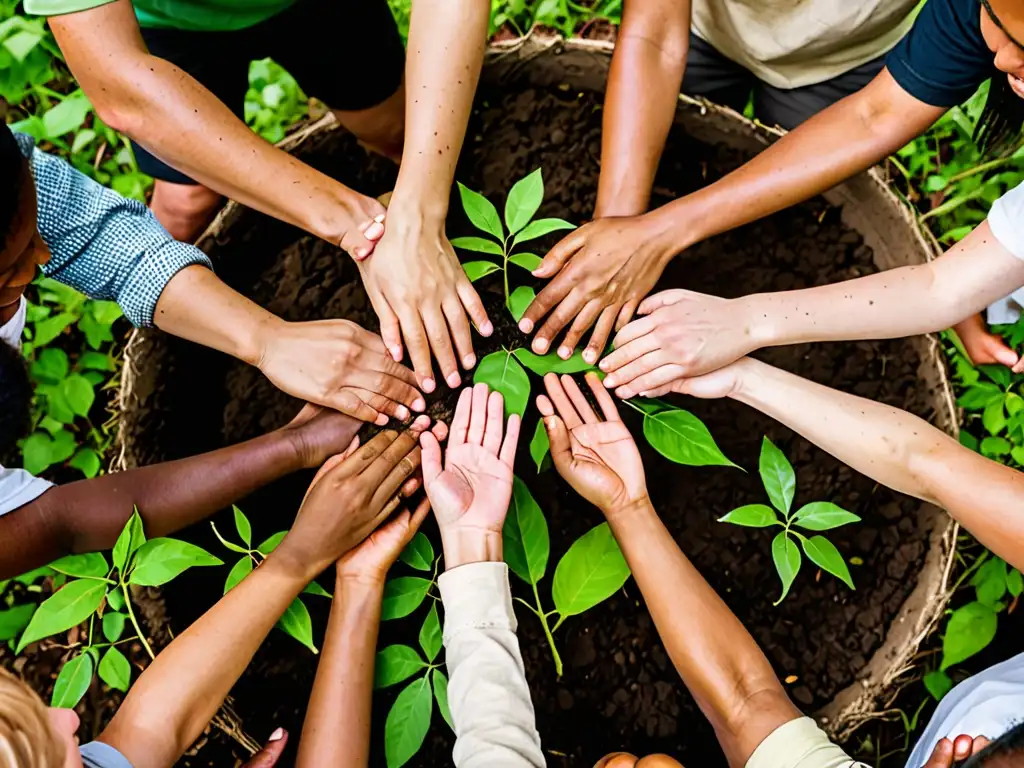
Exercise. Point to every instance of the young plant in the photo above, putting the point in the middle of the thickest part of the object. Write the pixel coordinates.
(94, 590)
(296, 620)
(780, 482)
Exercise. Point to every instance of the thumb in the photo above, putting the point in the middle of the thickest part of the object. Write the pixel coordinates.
(557, 256)
(430, 458)
(1003, 354)
(661, 299)
(558, 437)
(942, 755)
(271, 752)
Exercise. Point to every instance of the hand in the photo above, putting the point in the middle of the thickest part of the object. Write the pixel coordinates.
(599, 459)
(338, 364)
(271, 752)
(601, 272)
(318, 433)
(985, 347)
(362, 225)
(349, 498)
(419, 291)
(370, 561)
(948, 752)
(471, 492)
(684, 334)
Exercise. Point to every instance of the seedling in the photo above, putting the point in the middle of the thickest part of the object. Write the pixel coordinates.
(780, 482)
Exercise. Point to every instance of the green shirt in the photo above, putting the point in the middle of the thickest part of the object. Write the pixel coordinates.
(196, 15)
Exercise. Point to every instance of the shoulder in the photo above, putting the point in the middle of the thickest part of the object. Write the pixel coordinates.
(18, 488)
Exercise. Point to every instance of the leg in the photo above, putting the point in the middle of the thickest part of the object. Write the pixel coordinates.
(185, 210)
(380, 129)
(713, 76)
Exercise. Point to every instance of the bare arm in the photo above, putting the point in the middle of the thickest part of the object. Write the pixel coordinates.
(172, 115)
(643, 89)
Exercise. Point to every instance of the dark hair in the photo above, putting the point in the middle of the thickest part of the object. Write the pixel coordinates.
(1010, 744)
(12, 167)
(15, 398)
(999, 127)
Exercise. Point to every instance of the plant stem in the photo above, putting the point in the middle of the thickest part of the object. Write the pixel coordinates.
(135, 622)
(504, 268)
(547, 631)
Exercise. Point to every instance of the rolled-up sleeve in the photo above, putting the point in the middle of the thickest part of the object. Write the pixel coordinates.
(102, 244)
(800, 743)
(495, 725)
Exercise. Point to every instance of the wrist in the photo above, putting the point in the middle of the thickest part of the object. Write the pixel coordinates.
(462, 547)
(759, 321)
(629, 509)
(750, 377)
(416, 209)
(260, 338)
(293, 565)
(358, 586)
(679, 228)
(342, 212)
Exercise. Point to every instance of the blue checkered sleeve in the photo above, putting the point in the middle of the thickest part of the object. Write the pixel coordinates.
(103, 244)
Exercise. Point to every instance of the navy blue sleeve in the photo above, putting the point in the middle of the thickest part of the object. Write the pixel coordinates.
(943, 58)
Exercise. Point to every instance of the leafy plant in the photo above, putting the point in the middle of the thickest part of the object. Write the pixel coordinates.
(780, 482)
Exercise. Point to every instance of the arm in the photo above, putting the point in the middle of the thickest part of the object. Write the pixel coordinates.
(171, 114)
(88, 515)
(177, 695)
(643, 89)
(414, 279)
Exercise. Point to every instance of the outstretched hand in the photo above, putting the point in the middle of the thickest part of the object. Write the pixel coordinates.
(471, 488)
(598, 458)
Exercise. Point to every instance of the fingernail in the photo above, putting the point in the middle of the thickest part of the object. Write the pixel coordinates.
(644, 394)
(541, 345)
(624, 392)
(422, 422)
(525, 325)
(603, 365)
(469, 361)
(402, 412)
(589, 355)
(374, 231)
(277, 735)
(379, 218)
(381, 420)
(419, 404)
(361, 253)
(453, 380)
(428, 385)
(564, 352)
(396, 353)
(609, 382)
(487, 329)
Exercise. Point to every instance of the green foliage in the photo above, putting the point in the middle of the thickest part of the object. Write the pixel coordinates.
(408, 722)
(525, 535)
(403, 596)
(681, 437)
(502, 372)
(274, 101)
(419, 553)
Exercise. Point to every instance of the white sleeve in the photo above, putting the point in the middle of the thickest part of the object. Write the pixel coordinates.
(18, 488)
(12, 330)
(1006, 218)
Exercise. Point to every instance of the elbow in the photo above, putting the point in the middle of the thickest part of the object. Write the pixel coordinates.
(921, 464)
(119, 114)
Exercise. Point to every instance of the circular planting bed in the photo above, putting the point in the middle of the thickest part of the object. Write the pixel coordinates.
(539, 106)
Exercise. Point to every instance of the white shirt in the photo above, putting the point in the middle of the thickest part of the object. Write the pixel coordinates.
(1006, 219)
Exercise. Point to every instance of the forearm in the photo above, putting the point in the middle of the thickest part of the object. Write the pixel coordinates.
(898, 450)
(336, 731)
(174, 699)
(718, 660)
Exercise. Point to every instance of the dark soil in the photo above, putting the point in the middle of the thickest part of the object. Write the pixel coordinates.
(619, 690)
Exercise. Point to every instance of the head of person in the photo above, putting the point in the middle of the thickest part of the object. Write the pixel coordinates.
(626, 760)
(1002, 27)
(33, 735)
(1005, 752)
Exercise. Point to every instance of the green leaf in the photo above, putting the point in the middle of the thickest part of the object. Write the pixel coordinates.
(115, 670)
(989, 581)
(238, 571)
(394, 664)
(21, 44)
(995, 447)
(528, 261)
(520, 301)
(824, 554)
(540, 446)
(541, 227)
(95, 361)
(503, 373)
(130, 539)
(1000, 374)
(407, 723)
(113, 625)
(441, 695)
(751, 516)
(418, 553)
(430, 634)
(31, 577)
(52, 366)
(88, 565)
(229, 544)
(778, 476)
(1015, 583)
(297, 623)
(66, 608)
(271, 544)
(72, 682)
(970, 630)
(481, 213)
(402, 596)
(786, 556)
(523, 201)
(36, 452)
(525, 535)
(82, 140)
(476, 269)
(86, 461)
(993, 418)
(49, 329)
(680, 436)
(478, 245)
(79, 394)
(938, 684)
(552, 363)
(590, 572)
(242, 526)
(980, 395)
(14, 620)
(67, 115)
(160, 560)
(115, 599)
(823, 516)
(313, 588)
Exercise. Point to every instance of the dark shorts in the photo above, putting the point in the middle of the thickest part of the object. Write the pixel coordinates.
(723, 81)
(347, 53)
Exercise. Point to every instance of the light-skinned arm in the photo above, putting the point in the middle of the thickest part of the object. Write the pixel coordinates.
(718, 660)
(171, 114)
(414, 279)
(845, 139)
(174, 699)
(686, 333)
(888, 445)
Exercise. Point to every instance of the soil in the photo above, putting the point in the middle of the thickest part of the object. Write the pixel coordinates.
(619, 690)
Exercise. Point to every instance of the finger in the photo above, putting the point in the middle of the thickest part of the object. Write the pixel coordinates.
(460, 422)
(664, 389)
(346, 401)
(590, 312)
(640, 366)
(545, 406)
(579, 400)
(440, 430)
(461, 334)
(478, 415)
(545, 301)
(417, 518)
(1019, 367)
(474, 307)
(634, 330)
(441, 343)
(419, 349)
(271, 752)
(352, 446)
(555, 259)
(566, 302)
(507, 454)
(662, 299)
(328, 465)
(495, 423)
(305, 415)
(626, 314)
(390, 328)
(377, 467)
(411, 486)
(365, 456)
(561, 401)
(382, 404)
(558, 438)
(401, 470)
(980, 742)
(603, 397)
(942, 755)
(643, 385)
(599, 338)
(627, 352)
(431, 453)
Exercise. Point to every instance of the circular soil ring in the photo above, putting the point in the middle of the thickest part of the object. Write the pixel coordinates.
(539, 105)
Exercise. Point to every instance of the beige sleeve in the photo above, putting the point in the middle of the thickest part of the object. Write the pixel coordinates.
(495, 726)
(800, 743)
